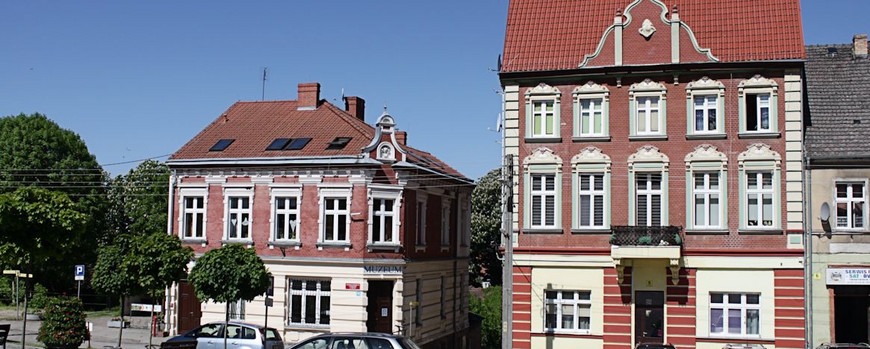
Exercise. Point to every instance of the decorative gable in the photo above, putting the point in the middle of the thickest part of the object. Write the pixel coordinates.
(642, 31)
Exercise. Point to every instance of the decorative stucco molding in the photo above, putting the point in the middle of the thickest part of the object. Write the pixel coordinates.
(759, 152)
(648, 153)
(590, 154)
(542, 156)
(590, 87)
(757, 81)
(706, 152)
(705, 83)
(543, 89)
(647, 85)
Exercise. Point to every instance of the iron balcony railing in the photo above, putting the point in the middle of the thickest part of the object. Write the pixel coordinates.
(646, 236)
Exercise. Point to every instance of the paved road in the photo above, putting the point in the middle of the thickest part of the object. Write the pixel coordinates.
(134, 337)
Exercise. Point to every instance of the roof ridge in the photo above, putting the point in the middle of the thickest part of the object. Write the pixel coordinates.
(350, 120)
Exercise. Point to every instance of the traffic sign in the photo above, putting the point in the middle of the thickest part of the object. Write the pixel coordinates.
(80, 272)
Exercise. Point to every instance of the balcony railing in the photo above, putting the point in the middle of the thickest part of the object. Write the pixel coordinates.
(646, 236)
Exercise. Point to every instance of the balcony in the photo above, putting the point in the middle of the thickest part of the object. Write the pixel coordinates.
(639, 242)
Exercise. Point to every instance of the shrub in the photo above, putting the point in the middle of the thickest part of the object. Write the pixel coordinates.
(489, 308)
(63, 324)
(40, 297)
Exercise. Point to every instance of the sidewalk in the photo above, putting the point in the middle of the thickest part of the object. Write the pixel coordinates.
(134, 337)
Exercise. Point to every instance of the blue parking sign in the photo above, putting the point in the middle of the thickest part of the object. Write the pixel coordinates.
(80, 272)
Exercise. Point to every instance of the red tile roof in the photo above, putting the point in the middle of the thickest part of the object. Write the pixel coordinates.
(254, 125)
(556, 34)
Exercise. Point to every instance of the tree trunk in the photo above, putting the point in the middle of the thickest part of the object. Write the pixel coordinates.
(151, 333)
(121, 328)
(226, 324)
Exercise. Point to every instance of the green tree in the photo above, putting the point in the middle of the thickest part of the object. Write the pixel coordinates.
(229, 274)
(36, 152)
(113, 275)
(139, 199)
(486, 229)
(488, 306)
(156, 261)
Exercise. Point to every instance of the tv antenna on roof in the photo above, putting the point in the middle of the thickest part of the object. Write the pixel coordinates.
(263, 97)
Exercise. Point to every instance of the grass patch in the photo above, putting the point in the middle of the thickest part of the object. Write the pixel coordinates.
(105, 312)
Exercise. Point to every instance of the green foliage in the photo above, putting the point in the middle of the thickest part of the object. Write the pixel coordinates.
(7, 294)
(644, 240)
(40, 298)
(112, 275)
(41, 230)
(139, 199)
(486, 229)
(157, 260)
(36, 152)
(228, 274)
(63, 323)
(489, 307)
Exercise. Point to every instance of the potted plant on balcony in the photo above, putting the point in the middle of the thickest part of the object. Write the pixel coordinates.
(64, 325)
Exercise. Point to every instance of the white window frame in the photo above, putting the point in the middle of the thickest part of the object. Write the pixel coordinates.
(542, 161)
(588, 114)
(421, 212)
(743, 306)
(184, 194)
(279, 194)
(644, 187)
(849, 200)
(760, 158)
(590, 161)
(705, 88)
(591, 192)
(707, 177)
(378, 212)
(547, 118)
(706, 160)
(754, 88)
(760, 193)
(576, 303)
(760, 104)
(543, 95)
(318, 294)
(644, 92)
(231, 194)
(543, 193)
(237, 310)
(589, 99)
(335, 194)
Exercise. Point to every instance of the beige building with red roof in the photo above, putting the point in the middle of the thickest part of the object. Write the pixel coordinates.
(657, 150)
(360, 231)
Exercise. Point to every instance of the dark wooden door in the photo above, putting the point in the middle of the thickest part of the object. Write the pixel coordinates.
(380, 307)
(189, 309)
(649, 317)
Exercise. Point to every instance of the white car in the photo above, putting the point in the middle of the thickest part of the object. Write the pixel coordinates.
(239, 336)
(356, 341)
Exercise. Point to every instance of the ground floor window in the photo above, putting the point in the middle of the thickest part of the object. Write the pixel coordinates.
(237, 310)
(309, 302)
(735, 314)
(568, 311)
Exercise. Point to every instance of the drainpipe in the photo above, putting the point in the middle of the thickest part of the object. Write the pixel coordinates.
(808, 249)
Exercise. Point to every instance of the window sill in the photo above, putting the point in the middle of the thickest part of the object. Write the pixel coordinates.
(318, 328)
(706, 136)
(543, 139)
(194, 241)
(591, 231)
(383, 247)
(288, 243)
(542, 231)
(248, 242)
(849, 232)
(767, 231)
(445, 248)
(577, 139)
(551, 331)
(648, 137)
(707, 231)
(420, 248)
(334, 244)
(758, 135)
(718, 337)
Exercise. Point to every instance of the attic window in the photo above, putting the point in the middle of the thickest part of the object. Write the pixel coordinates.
(338, 143)
(278, 144)
(298, 143)
(222, 144)
(832, 51)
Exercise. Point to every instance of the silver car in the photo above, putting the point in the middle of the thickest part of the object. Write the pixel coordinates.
(239, 336)
(356, 341)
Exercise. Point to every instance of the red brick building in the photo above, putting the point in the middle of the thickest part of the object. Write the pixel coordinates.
(657, 189)
(360, 231)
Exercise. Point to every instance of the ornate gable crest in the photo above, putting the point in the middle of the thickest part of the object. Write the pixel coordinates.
(543, 89)
(706, 152)
(542, 156)
(759, 151)
(646, 29)
(648, 153)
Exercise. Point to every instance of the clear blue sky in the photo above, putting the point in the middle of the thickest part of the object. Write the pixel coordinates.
(137, 79)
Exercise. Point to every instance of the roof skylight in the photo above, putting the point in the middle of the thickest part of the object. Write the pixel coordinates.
(222, 144)
(338, 143)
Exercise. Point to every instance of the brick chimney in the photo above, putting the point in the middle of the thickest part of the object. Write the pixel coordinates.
(355, 106)
(402, 137)
(308, 96)
(859, 46)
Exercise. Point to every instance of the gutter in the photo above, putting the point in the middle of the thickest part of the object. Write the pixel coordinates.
(405, 164)
(306, 160)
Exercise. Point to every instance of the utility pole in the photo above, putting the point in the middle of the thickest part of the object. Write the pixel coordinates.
(507, 242)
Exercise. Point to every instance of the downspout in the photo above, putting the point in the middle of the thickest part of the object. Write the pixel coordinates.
(808, 250)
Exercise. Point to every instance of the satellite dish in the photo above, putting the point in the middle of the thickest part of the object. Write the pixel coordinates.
(825, 212)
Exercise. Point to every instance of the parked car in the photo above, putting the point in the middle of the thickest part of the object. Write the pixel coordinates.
(844, 346)
(356, 341)
(240, 336)
(654, 346)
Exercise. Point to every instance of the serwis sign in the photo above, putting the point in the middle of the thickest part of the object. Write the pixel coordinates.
(382, 269)
(848, 276)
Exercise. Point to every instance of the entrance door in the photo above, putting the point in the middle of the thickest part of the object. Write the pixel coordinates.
(851, 308)
(189, 310)
(380, 307)
(649, 317)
